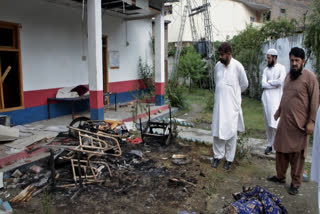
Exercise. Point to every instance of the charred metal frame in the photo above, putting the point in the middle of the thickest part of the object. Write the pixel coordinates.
(98, 144)
(87, 173)
(85, 158)
(148, 131)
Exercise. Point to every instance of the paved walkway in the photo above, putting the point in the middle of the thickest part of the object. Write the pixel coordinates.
(13, 154)
(257, 146)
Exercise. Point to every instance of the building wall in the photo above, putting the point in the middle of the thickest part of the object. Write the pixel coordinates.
(283, 46)
(237, 20)
(52, 49)
(228, 18)
(294, 8)
(133, 42)
(51, 45)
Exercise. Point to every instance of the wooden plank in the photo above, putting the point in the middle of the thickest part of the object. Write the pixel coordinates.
(6, 73)
(20, 69)
(9, 24)
(25, 195)
(11, 109)
(9, 49)
(107, 66)
(114, 121)
(1, 89)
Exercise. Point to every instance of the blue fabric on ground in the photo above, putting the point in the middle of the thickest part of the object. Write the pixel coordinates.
(258, 201)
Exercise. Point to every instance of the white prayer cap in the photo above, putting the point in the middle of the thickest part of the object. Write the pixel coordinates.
(272, 52)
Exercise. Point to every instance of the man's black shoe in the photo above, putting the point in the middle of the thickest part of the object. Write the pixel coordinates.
(293, 190)
(268, 150)
(227, 165)
(275, 179)
(215, 163)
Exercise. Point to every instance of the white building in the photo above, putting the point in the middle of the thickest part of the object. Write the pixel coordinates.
(228, 18)
(50, 44)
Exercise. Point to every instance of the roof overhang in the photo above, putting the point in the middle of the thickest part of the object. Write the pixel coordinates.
(256, 6)
(126, 9)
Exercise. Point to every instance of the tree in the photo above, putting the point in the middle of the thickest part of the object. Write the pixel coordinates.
(247, 47)
(191, 66)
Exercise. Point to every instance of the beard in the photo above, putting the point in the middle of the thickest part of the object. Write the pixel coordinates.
(271, 64)
(295, 73)
(224, 61)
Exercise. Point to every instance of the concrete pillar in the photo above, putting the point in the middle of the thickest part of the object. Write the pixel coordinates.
(95, 59)
(159, 59)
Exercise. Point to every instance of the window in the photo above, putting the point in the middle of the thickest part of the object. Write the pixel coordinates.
(6, 37)
(266, 16)
(282, 11)
(11, 93)
(252, 19)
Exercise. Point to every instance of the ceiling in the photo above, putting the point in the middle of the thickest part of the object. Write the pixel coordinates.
(130, 8)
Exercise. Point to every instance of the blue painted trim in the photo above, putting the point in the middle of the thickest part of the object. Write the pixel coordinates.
(159, 100)
(33, 114)
(97, 114)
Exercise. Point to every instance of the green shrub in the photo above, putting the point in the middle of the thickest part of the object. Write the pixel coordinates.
(312, 35)
(243, 151)
(276, 29)
(171, 49)
(146, 74)
(175, 94)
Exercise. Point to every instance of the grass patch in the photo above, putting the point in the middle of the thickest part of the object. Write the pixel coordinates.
(307, 168)
(197, 96)
(203, 118)
(45, 202)
(252, 111)
(253, 117)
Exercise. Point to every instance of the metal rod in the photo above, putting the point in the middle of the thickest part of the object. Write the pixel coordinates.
(53, 171)
(79, 170)
(149, 113)
(141, 130)
(164, 127)
(170, 118)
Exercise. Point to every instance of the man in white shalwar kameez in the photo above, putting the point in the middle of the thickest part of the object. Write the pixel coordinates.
(272, 83)
(230, 80)
(315, 164)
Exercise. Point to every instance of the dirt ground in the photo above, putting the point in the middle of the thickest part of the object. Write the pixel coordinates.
(154, 184)
(142, 185)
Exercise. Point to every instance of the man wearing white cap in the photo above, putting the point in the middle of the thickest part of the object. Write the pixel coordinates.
(272, 83)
